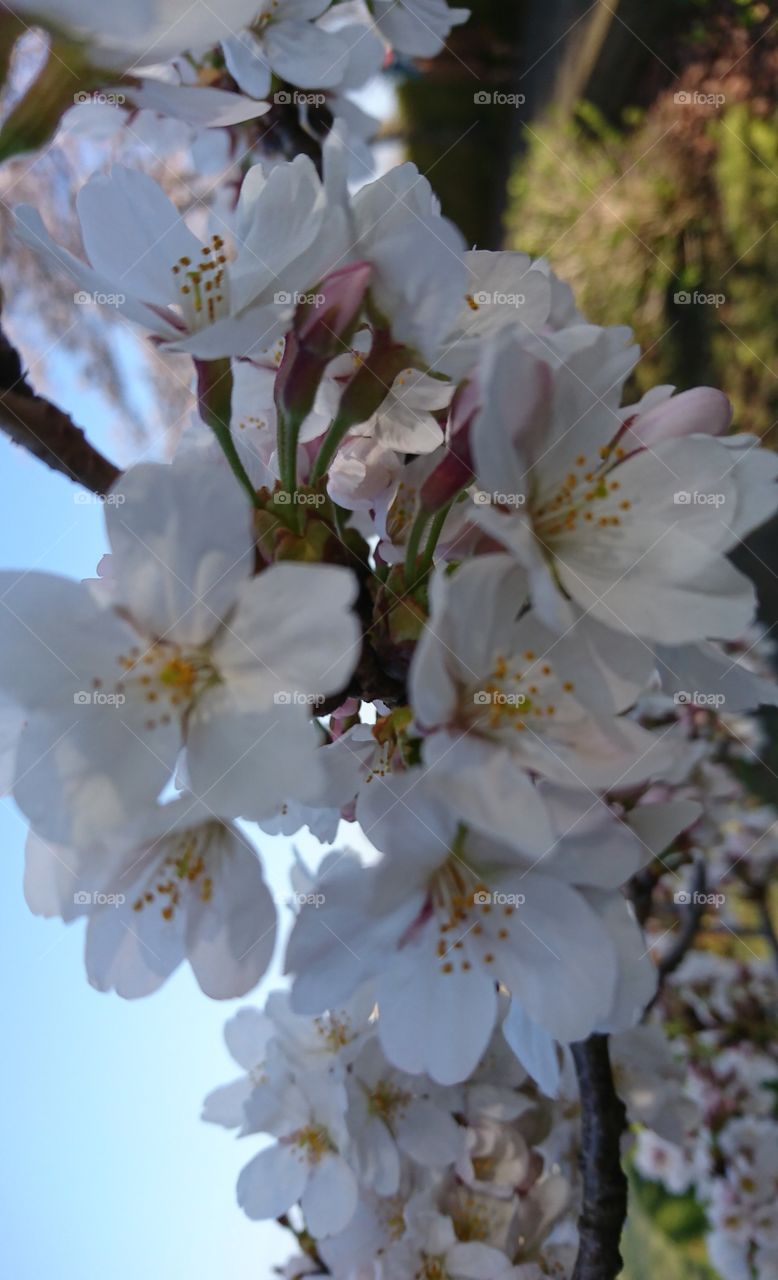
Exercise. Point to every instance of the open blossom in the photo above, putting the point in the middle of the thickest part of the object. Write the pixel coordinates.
(454, 907)
(283, 39)
(523, 697)
(635, 534)
(193, 654)
(182, 885)
(229, 296)
(306, 1114)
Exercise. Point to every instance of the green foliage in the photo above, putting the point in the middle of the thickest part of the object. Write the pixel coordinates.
(663, 1236)
(674, 205)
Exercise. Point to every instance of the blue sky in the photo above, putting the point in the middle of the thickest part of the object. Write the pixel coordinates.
(105, 1167)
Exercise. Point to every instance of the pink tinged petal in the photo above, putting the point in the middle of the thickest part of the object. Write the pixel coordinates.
(330, 1198)
(133, 234)
(230, 934)
(181, 543)
(224, 1105)
(703, 410)
(272, 1182)
(431, 1020)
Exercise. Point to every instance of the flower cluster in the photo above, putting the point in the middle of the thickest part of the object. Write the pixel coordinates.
(421, 579)
(387, 1166)
(722, 1012)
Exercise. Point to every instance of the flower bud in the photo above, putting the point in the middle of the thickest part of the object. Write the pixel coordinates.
(700, 411)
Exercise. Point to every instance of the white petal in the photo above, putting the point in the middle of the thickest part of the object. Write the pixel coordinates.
(272, 1182)
(330, 1198)
(178, 572)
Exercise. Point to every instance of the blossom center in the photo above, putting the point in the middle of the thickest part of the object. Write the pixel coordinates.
(312, 1142)
(187, 866)
(588, 496)
(203, 286)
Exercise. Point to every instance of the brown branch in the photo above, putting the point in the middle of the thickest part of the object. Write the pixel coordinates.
(603, 1120)
(46, 431)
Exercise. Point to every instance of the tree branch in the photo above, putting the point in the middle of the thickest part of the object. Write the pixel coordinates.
(603, 1120)
(46, 431)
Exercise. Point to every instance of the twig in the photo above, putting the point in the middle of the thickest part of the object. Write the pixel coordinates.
(603, 1120)
(46, 431)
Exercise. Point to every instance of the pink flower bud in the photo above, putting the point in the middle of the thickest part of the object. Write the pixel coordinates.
(323, 324)
(701, 411)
